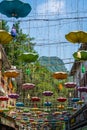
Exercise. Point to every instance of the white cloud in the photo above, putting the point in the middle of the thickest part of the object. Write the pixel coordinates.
(52, 6)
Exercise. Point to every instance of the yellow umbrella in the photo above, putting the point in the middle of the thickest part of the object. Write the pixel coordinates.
(5, 37)
(77, 37)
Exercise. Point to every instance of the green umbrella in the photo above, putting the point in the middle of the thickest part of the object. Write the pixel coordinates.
(29, 57)
(80, 55)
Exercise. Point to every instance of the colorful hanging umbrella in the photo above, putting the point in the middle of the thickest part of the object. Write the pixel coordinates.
(35, 99)
(34, 109)
(29, 57)
(56, 113)
(70, 84)
(61, 106)
(77, 37)
(48, 104)
(69, 108)
(14, 8)
(4, 98)
(13, 95)
(12, 73)
(26, 110)
(61, 99)
(47, 93)
(80, 102)
(19, 104)
(82, 89)
(75, 99)
(28, 86)
(80, 55)
(60, 75)
(5, 37)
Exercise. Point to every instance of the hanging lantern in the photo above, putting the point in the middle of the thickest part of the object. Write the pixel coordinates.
(60, 75)
(14, 8)
(77, 37)
(47, 93)
(28, 86)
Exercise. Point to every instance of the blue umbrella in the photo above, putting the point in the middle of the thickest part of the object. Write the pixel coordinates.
(14, 8)
(75, 99)
(48, 104)
(19, 104)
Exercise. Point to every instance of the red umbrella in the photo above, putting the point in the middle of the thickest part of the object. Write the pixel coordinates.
(61, 99)
(35, 99)
(4, 98)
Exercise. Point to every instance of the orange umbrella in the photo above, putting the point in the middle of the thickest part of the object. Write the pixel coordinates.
(60, 75)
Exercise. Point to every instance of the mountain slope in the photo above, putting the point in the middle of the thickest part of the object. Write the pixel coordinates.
(53, 64)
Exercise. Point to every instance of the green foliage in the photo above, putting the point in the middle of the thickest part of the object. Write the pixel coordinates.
(4, 25)
(38, 74)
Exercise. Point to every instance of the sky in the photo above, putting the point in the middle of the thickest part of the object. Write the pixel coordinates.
(49, 21)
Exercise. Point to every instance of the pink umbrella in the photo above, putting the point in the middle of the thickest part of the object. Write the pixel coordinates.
(70, 84)
(28, 86)
(47, 93)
